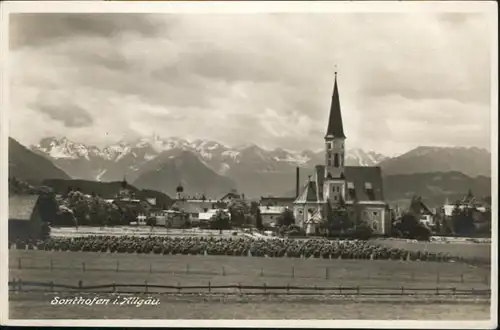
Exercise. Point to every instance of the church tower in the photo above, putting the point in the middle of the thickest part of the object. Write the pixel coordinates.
(334, 183)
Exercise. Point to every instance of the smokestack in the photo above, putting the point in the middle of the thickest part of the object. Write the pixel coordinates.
(297, 182)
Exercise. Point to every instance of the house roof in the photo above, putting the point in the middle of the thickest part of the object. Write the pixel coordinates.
(189, 207)
(271, 209)
(335, 127)
(231, 195)
(21, 206)
(278, 199)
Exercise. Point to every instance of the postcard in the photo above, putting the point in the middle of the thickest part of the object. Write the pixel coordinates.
(249, 164)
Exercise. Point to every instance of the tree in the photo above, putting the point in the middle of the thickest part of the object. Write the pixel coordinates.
(286, 218)
(462, 221)
(239, 211)
(255, 211)
(338, 218)
(410, 227)
(48, 207)
(220, 220)
(45, 230)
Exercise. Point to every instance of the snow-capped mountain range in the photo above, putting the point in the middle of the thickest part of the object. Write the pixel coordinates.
(131, 159)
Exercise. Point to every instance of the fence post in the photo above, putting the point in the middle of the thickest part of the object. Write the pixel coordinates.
(402, 290)
(209, 287)
(146, 286)
(357, 289)
(150, 267)
(83, 267)
(288, 288)
(454, 291)
(462, 278)
(117, 266)
(340, 289)
(80, 284)
(20, 284)
(19, 263)
(178, 287)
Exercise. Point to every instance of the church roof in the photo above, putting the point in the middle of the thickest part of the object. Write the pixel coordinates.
(359, 178)
(309, 193)
(335, 127)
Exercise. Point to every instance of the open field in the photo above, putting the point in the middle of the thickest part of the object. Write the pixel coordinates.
(99, 268)
(37, 306)
(105, 268)
(470, 251)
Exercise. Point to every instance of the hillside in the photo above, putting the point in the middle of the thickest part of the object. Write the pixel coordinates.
(469, 161)
(105, 189)
(434, 187)
(27, 166)
(172, 168)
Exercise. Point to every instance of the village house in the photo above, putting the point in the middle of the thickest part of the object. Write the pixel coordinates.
(277, 201)
(477, 207)
(25, 220)
(359, 187)
(269, 214)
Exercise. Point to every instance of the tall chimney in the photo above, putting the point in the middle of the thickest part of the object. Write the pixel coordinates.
(297, 182)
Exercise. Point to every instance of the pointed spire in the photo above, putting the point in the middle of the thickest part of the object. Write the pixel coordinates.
(335, 127)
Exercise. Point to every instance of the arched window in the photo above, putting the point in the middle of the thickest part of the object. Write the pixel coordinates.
(336, 160)
(341, 159)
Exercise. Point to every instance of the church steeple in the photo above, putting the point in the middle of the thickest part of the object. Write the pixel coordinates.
(334, 184)
(335, 128)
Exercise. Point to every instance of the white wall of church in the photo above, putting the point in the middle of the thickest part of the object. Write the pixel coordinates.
(303, 212)
(375, 216)
(334, 190)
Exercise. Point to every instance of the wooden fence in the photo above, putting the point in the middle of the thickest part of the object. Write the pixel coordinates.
(19, 285)
(322, 273)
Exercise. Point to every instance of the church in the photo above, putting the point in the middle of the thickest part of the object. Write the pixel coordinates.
(359, 187)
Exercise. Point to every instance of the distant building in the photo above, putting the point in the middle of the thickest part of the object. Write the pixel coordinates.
(25, 220)
(277, 201)
(333, 182)
(205, 217)
(269, 214)
(231, 196)
(172, 219)
(478, 207)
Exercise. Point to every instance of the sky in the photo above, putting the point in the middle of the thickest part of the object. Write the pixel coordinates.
(405, 80)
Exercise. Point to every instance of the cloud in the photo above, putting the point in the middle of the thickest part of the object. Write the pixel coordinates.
(404, 79)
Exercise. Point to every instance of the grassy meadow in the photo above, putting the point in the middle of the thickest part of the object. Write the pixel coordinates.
(99, 268)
